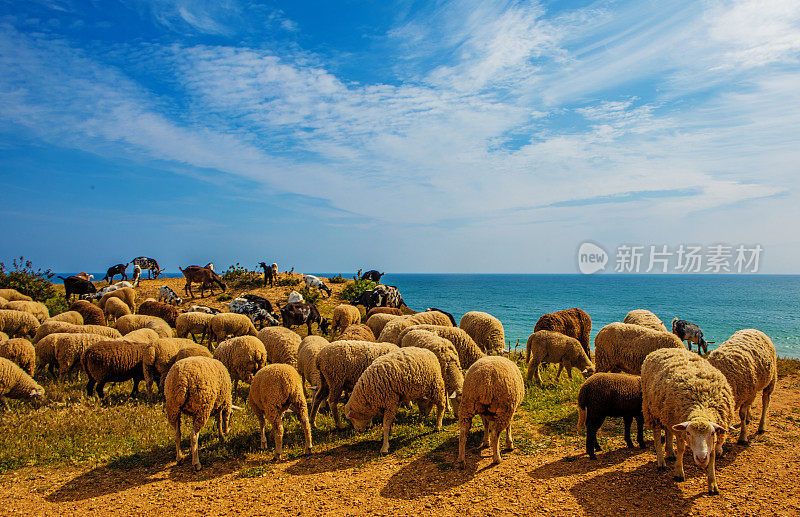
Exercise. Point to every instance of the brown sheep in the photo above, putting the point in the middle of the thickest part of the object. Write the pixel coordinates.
(357, 332)
(570, 322)
(92, 314)
(165, 311)
(126, 294)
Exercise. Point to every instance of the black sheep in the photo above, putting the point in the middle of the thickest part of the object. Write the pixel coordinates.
(610, 395)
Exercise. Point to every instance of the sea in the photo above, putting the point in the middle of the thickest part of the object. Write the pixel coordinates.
(719, 304)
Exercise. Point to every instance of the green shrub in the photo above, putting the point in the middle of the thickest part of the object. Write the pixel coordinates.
(56, 305)
(352, 291)
(32, 282)
(338, 279)
(287, 282)
(239, 277)
(224, 297)
(310, 295)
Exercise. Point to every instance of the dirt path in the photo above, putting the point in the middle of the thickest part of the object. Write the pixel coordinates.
(761, 479)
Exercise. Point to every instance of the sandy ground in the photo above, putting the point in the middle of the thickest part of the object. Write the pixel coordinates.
(760, 479)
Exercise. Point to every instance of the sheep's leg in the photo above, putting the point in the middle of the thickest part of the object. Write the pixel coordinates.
(628, 420)
(235, 387)
(560, 368)
(333, 403)
(90, 386)
(765, 395)
(440, 415)
(678, 474)
(743, 417)
(537, 374)
(640, 430)
(222, 436)
(462, 443)
(670, 450)
(388, 418)
(485, 442)
(711, 475)
(277, 433)
(509, 439)
(495, 445)
(195, 459)
(315, 407)
(302, 414)
(568, 366)
(661, 464)
(592, 426)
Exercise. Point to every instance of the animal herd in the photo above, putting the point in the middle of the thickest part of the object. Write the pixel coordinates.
(380, 361)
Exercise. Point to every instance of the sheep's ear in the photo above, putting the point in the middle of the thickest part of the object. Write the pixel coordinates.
(453, 395)
(719, 429)
(235, 408)
(680, 427)
(314, 388)
(350, 414)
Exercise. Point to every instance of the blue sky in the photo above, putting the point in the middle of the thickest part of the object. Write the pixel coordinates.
(452, 136)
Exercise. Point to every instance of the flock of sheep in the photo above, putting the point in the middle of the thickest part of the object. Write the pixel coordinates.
(639, 370)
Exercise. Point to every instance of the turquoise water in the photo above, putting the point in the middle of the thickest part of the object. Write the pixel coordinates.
(720, 304)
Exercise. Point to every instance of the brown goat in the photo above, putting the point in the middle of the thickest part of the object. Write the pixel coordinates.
(204, 277)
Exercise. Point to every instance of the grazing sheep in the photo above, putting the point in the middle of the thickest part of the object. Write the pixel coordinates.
(281, 345)
(21, 352)
(447, 355)
(190, 351)
(307, 353)
(158, 357)
(229, 324)
(133, 322)
(92, 314)
(391, 332)
(112, 361)
(3, 302)
(165, 311)
(357, 332)
(468, 350)
(570, 322)
(115, 308)
(276, 388)
(623, 346)
(485, 329)
(610, 395)
(51, 327)
(17, 384)
(12, 295)
(143, 335)
(160, 327)
(407, 375)
(46, 354)
(194, 323)
(749, 362)
(126, 294)
(38, 309)
(18, 323)
(243, 356)
(645, 318)
(73, 317)
(493, 389)
(548, 346)
(683, 394)
(340, 364)
(198, 387)
(378, 321)
(68, 349)
(344, 315)
(386, 310)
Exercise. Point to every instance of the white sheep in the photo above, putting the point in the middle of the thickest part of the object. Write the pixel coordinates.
(38, 309)
(749, 362)
(391, 331)
(131, 322)
(624, 346)
(73, 317)
(11, 295)
(21, 352)
(192, 323)
(645, 318)
(68, 349)
(407, 375)
(307, 353)
(547, 346)
(447, 355)
(344, 315)
(357, 332)
(144, 335)
(276, 388)
(17, 384)
(468, 349)
(485, 329)
(230, 324)
(198, 387)
(243, 356)
(115, 308)
(378, 321)
(683, 394)
(493, 390)
(52, 327)
(158, 357)
(18, 323)
(281, 345)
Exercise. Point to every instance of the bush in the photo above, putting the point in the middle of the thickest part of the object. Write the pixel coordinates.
(287, 281)
(310, 295)
(56, 305)
(224, 297)
(338, 279)
(32, 282)
(239, 277)
(352, 291)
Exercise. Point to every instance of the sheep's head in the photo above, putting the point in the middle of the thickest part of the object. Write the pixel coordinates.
(701, 436)
(455, 401)
(37, 393)
(359, 420)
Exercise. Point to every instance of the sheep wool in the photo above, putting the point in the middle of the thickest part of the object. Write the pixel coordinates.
(686, 396)
(344, 315)
(3, 336)
(126, 294)
(18, 323)
(193, 323)
(144, 335)
(92, 314)
(199, 387)
(307, 353)
(158, 357)
(12, 295)
(376, 322)
(645, 318)
(749, 362)
(243, 356)
(570, 322)
(73, 317)
(52, 327)
(3, 302)
(38, 309)
(357, 332)
(485, 329)
(447, 355)
(391, 332)
(276, 388)
(46, 354)
(610, 395)
(493, 389)
(191, 351)
(281, 344)
(548, 346)
(132, 322)
(384, 310)
(21, 352)
(16, 384)
(468, 350)
(115, 308)
(68, 349)
(624, 346)
(405, 375)
(340, 364)
(230, 324)
(112, 361)
(165, 311)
